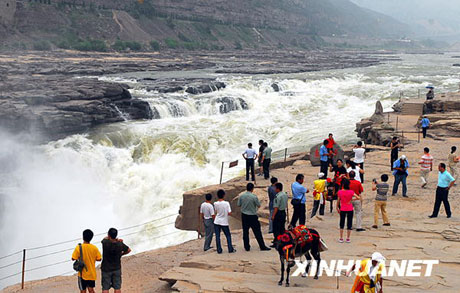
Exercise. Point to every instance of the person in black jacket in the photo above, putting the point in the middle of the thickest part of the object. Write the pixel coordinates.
(112, 251)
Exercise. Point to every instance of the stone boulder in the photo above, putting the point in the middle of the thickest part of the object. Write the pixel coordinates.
(315, 158)
(378, 117)
(205, 88)
(228, 104)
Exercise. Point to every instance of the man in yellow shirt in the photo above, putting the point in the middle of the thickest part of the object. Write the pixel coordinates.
(91, 254)
(319, 195)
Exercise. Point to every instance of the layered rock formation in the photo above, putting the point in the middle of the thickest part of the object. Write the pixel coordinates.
(375, 130)
(54, 107)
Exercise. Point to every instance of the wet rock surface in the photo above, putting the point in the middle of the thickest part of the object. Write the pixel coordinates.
(55, 94)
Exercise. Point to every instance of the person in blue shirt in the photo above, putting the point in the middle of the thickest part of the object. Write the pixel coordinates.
(445, 183)
(400, 172)
(425, 123)
(299, 200)
(324, 158)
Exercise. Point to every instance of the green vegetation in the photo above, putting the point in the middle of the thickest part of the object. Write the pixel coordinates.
(42, 46)
(155, 45)
(238, 45)
(120, 45)
(72, 41)
(91, 45)
(171, 43)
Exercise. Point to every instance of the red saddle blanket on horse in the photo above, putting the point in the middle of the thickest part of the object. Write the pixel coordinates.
(302, 235)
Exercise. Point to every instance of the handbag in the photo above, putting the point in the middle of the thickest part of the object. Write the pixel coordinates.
(296, 201)
(79, 264)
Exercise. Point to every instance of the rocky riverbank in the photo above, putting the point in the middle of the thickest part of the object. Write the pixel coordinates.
(55, 94)
(443, 112)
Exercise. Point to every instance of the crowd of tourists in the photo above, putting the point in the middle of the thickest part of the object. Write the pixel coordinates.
(344, 185)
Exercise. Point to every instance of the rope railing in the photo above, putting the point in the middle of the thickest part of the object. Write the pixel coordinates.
(233, 163)
(24, 258)
(68, 260)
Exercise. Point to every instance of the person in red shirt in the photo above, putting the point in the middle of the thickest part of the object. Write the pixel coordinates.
(330, 148)
(357, 187)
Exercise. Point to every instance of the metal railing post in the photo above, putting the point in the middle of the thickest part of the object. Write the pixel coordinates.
(221, 173)
(23, 268)
(397, 122)
(285, 154)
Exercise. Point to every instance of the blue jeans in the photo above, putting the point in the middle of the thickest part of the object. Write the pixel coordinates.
(226, 230)
(399, 179)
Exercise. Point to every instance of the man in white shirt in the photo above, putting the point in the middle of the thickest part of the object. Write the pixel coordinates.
(207, 212)
(250, 155)
(359, 157)
(223, 210)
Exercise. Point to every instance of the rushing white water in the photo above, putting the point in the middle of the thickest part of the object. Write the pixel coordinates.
(132, 172)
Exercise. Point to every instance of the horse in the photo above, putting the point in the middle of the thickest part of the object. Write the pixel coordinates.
(292, 244)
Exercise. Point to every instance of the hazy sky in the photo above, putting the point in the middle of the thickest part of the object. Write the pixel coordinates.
(426, 17)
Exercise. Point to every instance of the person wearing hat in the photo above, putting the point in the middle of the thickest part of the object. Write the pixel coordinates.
(369, 277)
(425, 124)
(400, 172)
(430, 93)
(319, 195)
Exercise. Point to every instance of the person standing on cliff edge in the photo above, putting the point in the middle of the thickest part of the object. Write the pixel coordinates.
(223, 210)
(250, 155)
(249, 203)
(266, 159)
(425, 124)
(206, 213)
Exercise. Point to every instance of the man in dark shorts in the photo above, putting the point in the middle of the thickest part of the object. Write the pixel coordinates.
(90, 255)
(112, 251)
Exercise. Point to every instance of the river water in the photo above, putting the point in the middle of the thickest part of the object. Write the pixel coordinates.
(129, 173)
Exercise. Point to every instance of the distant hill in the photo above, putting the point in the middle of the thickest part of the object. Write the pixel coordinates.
(436, 19)
(188, 24)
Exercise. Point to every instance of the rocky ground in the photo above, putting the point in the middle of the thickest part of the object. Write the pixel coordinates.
(412, 235)
(55, 94)
(443, 113)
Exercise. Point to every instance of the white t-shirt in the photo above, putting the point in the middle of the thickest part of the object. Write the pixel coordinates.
(359, 155)
(357, 169)
(207, 210)
(222, 209)
(250, 153)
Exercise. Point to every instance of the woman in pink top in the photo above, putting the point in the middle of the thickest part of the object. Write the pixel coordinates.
(345, 208)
